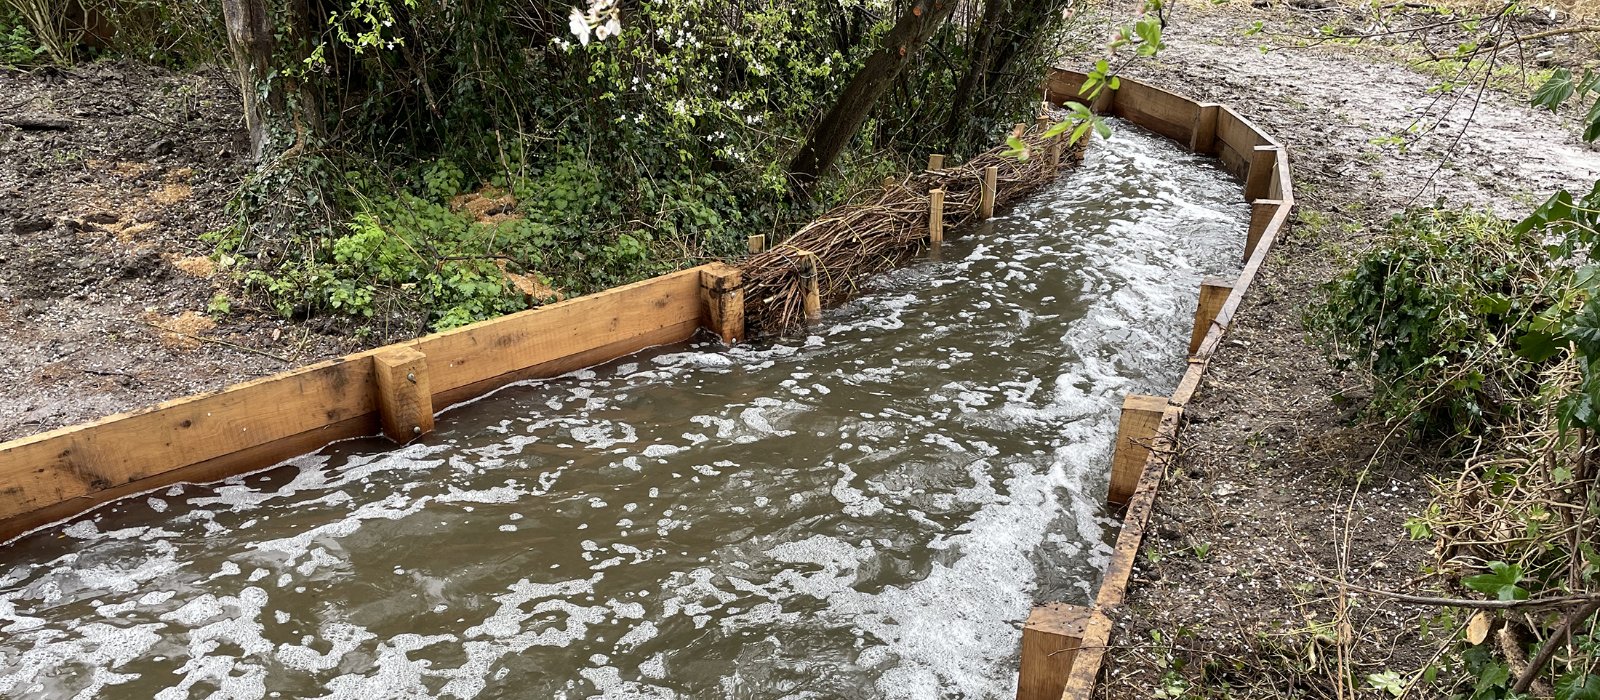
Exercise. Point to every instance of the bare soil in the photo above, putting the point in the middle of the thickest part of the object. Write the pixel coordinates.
(105, 189)
(1280, 487)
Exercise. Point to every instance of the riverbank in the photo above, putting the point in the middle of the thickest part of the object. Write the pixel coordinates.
(1279, 487)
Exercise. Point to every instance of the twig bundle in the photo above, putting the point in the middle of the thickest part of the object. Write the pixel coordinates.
(855, 240)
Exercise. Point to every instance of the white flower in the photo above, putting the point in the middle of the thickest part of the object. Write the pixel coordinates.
(579, 25)
(610, 28)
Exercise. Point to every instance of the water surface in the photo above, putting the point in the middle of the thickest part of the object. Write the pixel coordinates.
(864, 512)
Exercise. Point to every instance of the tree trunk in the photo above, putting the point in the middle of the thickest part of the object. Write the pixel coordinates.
(250, 39)
(855, 103)
(972, 85)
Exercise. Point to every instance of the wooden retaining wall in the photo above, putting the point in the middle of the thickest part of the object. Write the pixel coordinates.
(1148, 432)
(393, 390)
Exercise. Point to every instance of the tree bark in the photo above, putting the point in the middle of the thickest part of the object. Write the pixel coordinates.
(877, 74)
(250, 39)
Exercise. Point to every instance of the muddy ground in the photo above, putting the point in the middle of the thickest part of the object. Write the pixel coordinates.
(1279, 485)
(109, 175)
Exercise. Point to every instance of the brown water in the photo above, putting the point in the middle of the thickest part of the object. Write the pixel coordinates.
(865, 512)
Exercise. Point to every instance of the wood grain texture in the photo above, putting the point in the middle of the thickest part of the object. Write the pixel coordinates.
(1136, 427)
(1259, 177)
(77, 461)
(1158, 110)
(1050, 641)
(405, 405)
(722, 302)
(1262, 212)
(1214, 293)
(482, 352)
(1203, 138)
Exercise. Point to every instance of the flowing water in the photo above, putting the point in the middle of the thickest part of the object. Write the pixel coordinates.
(865, 512)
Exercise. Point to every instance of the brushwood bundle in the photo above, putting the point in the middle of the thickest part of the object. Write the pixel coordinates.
(853, 241)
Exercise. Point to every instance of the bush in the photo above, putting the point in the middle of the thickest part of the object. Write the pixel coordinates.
(1448, 316)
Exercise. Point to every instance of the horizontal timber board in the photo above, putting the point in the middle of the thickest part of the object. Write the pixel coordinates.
(473, 354)
(1157, 110)
(74, 462)
(260, 423)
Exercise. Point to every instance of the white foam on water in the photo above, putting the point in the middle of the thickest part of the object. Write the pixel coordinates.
(908, 471)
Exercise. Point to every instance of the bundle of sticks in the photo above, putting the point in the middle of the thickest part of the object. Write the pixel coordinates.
(853, 241)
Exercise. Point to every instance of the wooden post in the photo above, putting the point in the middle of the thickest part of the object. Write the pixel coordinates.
(1103, 102)
(1261, 213)
(809, 269)
(1204, 137)
(1258, 179)
(722, 297)
(758, 243)
(1050, 641)
(935, 217)
(405, 404)
(1213, 292)
(1042, 121)
(1141, 417)
(1055, 153)
(888, 182)
(936, 162)
(991, 176)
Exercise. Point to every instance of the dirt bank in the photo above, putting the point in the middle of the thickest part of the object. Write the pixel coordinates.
(1278, 488)
(109, 175)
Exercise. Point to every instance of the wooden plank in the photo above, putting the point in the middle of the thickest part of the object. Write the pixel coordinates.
(1213, 293)
(1140, 416)
(1261, 213)
(1282, 179)
(405, 405)
(1062, 86)
(1155, 109)
(1258, 178)
(722, 298)
(232, 464)
(74, 462)
(667, 335)
(1203, 138)
(1234, 161)
(482, 352)
(1050, 640)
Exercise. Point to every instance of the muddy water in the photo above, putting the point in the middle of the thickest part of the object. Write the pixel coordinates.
(864, 512)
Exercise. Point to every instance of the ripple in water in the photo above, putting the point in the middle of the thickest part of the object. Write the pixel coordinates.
(860, 513)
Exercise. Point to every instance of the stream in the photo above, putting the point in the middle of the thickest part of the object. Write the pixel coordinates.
(867, 511)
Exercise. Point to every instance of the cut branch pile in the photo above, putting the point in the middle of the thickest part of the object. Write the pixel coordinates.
(853, 241)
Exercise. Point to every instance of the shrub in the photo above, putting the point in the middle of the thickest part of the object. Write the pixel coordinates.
(1444, 316)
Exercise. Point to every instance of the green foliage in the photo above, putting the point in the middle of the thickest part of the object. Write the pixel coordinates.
(1560, 87)
(18, 47)
(1578, 686)
(1500, 583)
(659, 146)
(1443, 315)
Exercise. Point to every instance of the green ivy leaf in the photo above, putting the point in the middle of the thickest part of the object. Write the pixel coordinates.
(1388, 681)
(1578, 686)
(1555, 91)
(1592, 131)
